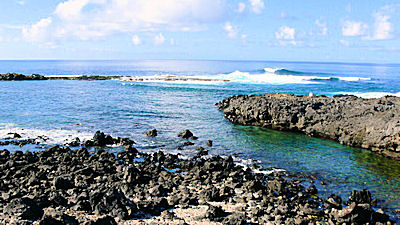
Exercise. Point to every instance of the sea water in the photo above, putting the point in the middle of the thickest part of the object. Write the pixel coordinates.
(63, 109)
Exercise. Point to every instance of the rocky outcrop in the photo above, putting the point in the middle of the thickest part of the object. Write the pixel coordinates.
(15, 77)
(367, 123)
(64, 186)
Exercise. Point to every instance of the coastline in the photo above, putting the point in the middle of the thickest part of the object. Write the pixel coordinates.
(366, 123)
(133, 187)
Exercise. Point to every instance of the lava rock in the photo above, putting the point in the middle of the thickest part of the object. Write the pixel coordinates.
(187, 134)
(349, 120)
(23, 208)
(152, 133)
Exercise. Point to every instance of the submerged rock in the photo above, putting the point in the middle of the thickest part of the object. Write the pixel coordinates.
(367, 123)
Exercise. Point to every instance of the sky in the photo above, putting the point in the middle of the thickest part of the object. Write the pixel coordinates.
(292, 30)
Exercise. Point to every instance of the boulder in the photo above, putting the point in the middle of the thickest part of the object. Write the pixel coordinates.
(187, 134)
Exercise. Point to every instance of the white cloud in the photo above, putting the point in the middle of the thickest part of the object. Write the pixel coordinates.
(70, 9)
(21, 2)
(136, 40)
(96, 19)
(257, 5)
(231, 30)
(382, 27)
(37, 32)
(241, 7)
(323, 28)
(159, 39)
(286, 35)
(353, 28)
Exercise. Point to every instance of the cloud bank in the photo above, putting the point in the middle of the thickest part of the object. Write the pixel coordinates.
(97, 19)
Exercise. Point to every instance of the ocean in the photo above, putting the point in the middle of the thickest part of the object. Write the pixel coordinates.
(65, 109)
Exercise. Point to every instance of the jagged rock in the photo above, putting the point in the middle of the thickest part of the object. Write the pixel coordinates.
(14, 135)
(277, 186)
(141, 185)
(215, 213)
(333, 201)
(360, 197)
(53, 216)
(106, 220)
(235, 219)
(187, 134)
(15, 77)
(366, 123)
(75, 142)
(62, 183)
(100, 139)
(23, 208)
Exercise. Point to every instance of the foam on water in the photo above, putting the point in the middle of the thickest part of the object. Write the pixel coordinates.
(266, 78)
(369, 94)
(272, 77)
(53, 136)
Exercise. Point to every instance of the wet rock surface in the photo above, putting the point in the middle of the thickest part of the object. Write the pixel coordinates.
(367, 123)
(64, 186)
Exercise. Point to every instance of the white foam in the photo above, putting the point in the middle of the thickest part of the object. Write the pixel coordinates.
(267, 78)
(369, 94)
(53, 136)
(246, 163)
(175, 79)
(272, 70)
(353, 78)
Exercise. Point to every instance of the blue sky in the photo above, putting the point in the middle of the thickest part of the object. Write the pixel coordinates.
(294, 30)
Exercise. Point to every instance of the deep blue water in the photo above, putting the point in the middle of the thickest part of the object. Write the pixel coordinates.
(79, 108)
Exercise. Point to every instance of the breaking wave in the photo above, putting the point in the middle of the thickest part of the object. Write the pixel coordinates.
(284, 76)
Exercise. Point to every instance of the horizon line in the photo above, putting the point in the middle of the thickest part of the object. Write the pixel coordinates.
(226, 60)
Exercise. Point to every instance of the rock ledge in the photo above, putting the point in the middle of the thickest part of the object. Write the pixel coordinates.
(367, 123)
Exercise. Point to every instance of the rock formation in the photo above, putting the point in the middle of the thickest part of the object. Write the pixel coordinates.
(367, 123)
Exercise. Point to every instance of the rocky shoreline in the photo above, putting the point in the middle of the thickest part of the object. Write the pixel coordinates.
(19, 77)
(156, 78)
(73, 186)
(367, 123)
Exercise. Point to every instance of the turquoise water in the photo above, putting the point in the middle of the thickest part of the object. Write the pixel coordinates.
(79, 108)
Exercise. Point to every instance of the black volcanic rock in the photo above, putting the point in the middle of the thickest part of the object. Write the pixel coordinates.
(187, 134)
(15, 77)
(367, 123)
(52, 186)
